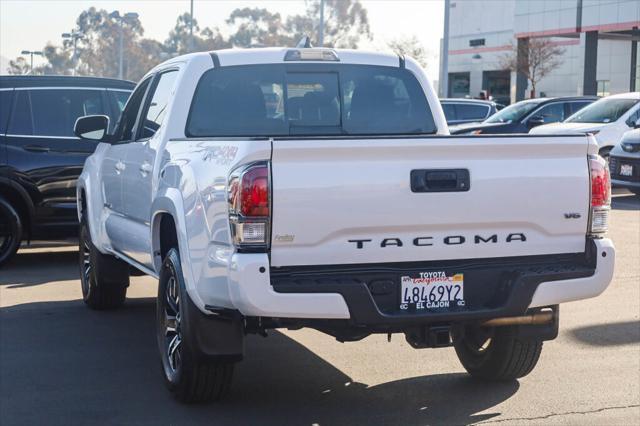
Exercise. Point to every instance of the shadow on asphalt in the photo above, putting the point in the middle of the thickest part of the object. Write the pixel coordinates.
(625, 202)
(25, 269)
(61, 363)
(613, 334)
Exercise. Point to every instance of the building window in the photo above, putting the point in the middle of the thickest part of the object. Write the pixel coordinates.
(459, 84)
(603, 87)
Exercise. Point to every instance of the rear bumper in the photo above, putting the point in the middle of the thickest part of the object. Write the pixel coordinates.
(496, 288)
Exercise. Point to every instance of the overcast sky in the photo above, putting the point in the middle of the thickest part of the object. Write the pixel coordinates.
(31, 24)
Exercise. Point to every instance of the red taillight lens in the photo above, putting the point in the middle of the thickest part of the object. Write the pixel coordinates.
(255, 192)
(600, 182)
(249, 206)
(600, 196)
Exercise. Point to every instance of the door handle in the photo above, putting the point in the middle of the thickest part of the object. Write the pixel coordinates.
(120, 167)
(145, 168)
(36, 148)
(440, 180)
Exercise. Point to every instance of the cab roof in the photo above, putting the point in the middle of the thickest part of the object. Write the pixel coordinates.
(12, 81)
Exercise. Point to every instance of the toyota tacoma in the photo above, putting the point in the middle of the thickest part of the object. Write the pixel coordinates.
(313, 187)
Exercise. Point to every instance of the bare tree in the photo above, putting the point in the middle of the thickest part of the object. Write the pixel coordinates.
(535, 60)
(409, 46)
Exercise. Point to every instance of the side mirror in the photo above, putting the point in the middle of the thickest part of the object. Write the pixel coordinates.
(92, 127)
(636, 125)
(536, 120)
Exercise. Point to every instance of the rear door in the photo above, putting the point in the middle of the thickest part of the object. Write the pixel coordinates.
(113, 168)
(43, 151)
(6, 98)
(383, 190)
(137, 179)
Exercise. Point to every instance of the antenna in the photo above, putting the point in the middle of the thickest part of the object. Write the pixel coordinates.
(305, 42)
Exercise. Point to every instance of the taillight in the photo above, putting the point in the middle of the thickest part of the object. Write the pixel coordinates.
(248, 194)
(600, 195)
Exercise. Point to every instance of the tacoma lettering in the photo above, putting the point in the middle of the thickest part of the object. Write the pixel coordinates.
(450, 240)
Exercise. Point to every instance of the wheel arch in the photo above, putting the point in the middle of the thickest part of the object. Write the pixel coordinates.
(21, 200)
(166, 222)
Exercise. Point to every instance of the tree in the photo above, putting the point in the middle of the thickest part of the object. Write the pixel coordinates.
(256, 27)
(19, 66)
(409, 46)
(534, 59)
(98, 50)
(345, 22)
(59, 60)
(181, 41)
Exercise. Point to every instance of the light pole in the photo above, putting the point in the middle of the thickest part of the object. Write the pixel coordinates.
(191, 28)
(321, 27)
(31, 52)
(121, 20)
(444, 83)
(74, 36)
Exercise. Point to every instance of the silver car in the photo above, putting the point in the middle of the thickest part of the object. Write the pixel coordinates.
(624, 162)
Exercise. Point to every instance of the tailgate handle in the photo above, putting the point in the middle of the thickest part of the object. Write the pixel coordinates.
(440, 180)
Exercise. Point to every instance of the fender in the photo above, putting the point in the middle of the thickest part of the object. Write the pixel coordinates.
(169, 201)
(93, 203)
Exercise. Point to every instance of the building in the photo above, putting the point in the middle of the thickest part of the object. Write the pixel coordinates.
(599, 39)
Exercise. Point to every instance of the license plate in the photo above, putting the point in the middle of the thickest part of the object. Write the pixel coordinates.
(432, 290)
(626, 170)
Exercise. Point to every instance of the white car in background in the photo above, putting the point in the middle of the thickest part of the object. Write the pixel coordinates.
(607, 119)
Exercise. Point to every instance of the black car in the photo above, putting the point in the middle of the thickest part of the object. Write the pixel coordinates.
(459, 111)
(525, 115)
(40, 157)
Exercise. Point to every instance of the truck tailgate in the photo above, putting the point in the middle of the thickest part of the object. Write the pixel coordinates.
(351, 201)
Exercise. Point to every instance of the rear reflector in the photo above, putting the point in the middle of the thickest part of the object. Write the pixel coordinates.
(600, 195)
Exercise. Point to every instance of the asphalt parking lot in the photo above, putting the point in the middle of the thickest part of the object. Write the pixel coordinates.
(61, 363)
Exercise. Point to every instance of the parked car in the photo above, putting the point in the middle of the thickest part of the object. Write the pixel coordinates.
(345, 206)
(608, 119)
(459, 111)
(523, 116)
(40, 157)
(624, 162)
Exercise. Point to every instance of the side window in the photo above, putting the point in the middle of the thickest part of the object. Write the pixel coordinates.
(551, 113)
(6, 96)
(120, 98)
(21, 122)
(633, 118)
(117, 100)
(577, 106)
(128, 117)
(55, 111)
(157, 109)
(449, 112)
(472, 112)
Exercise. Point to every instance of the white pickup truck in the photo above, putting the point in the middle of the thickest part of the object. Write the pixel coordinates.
(308, 187)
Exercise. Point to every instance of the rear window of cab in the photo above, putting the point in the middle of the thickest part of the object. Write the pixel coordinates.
(308, 99)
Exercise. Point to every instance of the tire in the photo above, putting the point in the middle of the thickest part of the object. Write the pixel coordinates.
(190, 377)
(104, 278)
(496, 354)
(10, 231)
